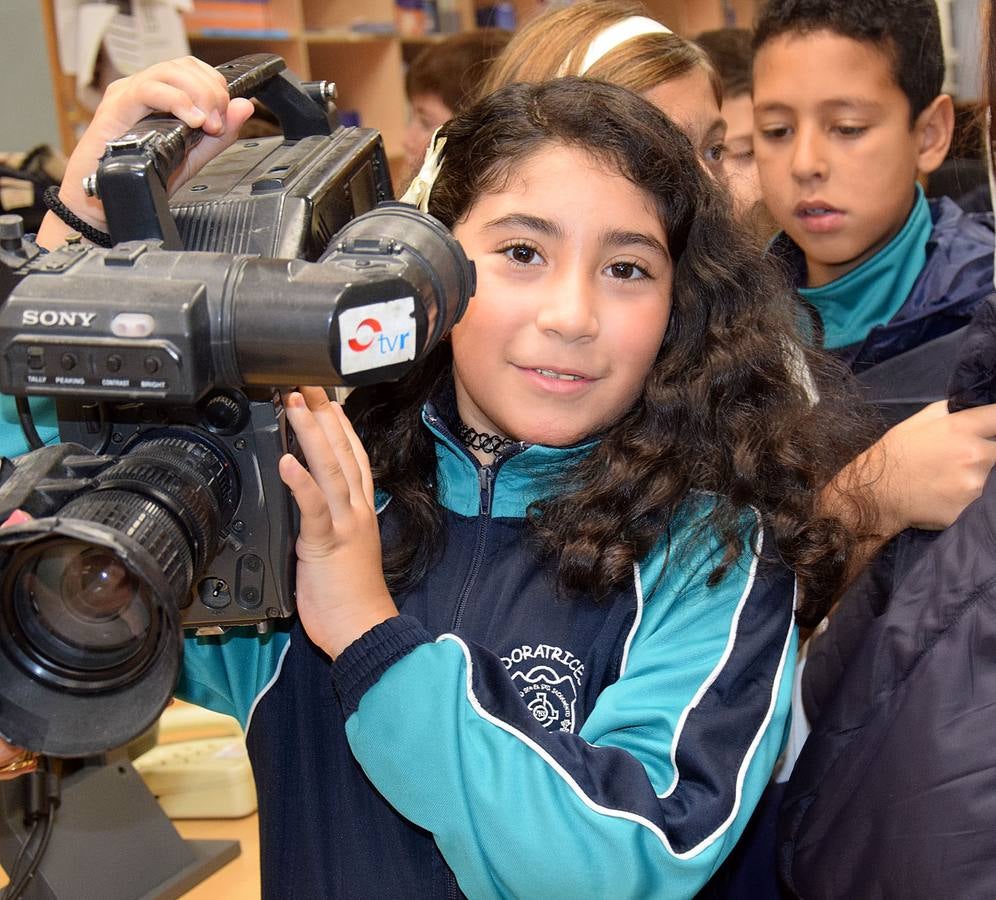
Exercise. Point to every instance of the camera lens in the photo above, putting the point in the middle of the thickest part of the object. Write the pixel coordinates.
(97, 589)
(81, 609)
(90, 600)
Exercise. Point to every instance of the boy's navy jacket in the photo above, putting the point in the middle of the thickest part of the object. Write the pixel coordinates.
(957, 276)
(498, 740)
(894, 793)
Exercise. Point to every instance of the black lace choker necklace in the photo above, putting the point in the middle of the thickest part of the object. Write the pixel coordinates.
(480, 440)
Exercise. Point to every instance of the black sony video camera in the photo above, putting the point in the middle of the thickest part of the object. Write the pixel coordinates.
(278, 264)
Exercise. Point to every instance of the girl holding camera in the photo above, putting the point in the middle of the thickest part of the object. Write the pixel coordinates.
(547, 582)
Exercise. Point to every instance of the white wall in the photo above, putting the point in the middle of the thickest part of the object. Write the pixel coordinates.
(968, 32)
(27, 104)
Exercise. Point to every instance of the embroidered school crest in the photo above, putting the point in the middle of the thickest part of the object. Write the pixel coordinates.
(548, 679)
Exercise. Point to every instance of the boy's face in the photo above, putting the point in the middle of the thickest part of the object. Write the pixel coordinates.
(835, 150)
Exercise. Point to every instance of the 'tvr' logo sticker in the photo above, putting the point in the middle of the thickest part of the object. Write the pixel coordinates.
(365, 338)
(377, 335)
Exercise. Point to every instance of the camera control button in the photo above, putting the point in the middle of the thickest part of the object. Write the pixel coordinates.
(152, 364)
(68, 361)
(114, 363)
(214, 593)
(132, 325)
(36, 357)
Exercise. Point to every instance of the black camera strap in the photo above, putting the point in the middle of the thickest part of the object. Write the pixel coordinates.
(51, 199)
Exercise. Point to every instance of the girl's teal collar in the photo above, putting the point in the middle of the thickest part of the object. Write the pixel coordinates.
(520, 475)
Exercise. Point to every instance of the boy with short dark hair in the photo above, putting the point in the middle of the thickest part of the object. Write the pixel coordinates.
(848, 114)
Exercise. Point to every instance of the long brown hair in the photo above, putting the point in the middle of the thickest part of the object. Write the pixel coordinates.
(555, 44)
(723, 411)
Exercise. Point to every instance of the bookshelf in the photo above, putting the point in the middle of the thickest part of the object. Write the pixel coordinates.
(356, 45)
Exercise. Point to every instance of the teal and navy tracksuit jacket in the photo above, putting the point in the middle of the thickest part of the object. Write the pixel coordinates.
(499, 740)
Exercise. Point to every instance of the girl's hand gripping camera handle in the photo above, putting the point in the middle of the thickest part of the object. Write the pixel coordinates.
(134, 172)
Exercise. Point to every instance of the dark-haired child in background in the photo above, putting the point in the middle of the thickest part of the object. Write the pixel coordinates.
(440, 82)
(730, 53)
(848, 114)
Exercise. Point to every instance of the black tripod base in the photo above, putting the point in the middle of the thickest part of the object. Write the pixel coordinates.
(110, 841)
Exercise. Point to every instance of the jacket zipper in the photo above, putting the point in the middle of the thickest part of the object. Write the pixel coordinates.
(485, 478)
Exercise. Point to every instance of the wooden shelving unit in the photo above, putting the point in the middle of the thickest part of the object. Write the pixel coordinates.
(351, 44)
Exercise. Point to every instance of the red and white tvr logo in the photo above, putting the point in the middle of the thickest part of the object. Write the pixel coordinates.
(366, 333)
(377, 335)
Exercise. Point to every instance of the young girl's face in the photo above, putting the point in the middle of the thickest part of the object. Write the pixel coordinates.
(573, 298)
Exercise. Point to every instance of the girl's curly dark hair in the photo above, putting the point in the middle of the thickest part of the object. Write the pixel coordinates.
(728, 407)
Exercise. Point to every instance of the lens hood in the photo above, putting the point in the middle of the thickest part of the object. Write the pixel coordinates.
(47, 704)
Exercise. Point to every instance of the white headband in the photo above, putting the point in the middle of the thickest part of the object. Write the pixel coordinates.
(604, 42)
(618, 33)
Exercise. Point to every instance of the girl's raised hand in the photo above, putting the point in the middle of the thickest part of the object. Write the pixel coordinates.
(341, 592)
(186, 88)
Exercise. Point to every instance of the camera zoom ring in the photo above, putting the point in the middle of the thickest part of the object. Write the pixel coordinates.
(184, 476)
(208, 464)
(147, 523)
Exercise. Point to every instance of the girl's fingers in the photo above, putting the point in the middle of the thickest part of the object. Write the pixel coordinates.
(316, 520)
(216, 80)
(203, 84)
(237, 112)
(337, 430)
(360, 453)
(323, 463)
(187, 88)
(180, 102)
(314, 396)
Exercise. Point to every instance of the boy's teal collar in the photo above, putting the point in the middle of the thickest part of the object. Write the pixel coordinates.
(870, 295)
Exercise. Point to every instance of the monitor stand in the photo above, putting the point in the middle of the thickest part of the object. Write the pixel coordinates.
(110, 839)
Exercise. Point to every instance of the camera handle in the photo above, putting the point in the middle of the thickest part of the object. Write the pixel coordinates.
(134, 171)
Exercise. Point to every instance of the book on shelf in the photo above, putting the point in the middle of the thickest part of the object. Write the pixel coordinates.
(232, 15)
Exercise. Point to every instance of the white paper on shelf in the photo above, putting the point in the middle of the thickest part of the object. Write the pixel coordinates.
(134, 34)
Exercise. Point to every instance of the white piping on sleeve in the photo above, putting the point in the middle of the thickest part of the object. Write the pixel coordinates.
(268, 685)
(731, 641)
(636, 619)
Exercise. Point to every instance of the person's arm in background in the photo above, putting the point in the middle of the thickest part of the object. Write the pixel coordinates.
(187, 88)
(922, 473)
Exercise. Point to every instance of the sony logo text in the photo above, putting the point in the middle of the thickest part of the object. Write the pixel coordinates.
(51, 317)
